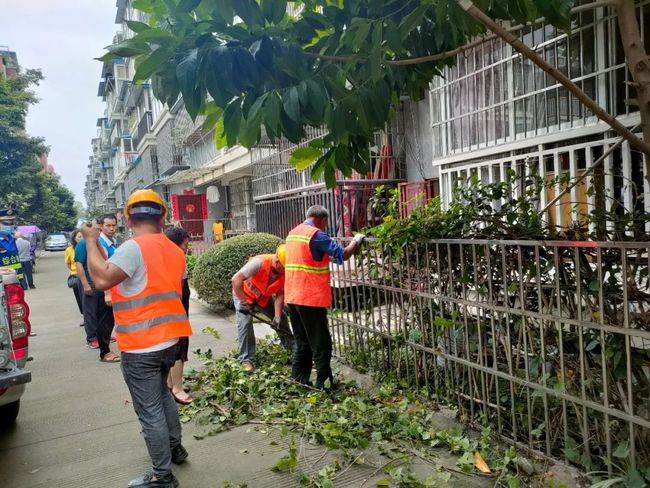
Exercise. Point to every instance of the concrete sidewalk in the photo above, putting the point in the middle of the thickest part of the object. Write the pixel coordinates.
(77, 427)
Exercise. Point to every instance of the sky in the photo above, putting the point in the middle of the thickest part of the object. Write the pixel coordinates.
(62, 37)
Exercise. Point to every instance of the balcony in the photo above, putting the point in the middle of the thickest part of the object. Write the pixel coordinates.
(144, 126)
(178, 163)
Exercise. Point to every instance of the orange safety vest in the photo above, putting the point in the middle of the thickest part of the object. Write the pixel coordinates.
(307, 281)
(156, 314)
(257, 288)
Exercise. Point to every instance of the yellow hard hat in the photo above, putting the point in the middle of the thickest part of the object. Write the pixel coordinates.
(281, 252)
(144, 196)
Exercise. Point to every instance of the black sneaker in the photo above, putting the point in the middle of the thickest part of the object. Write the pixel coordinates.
(166, 481)
(179, 454)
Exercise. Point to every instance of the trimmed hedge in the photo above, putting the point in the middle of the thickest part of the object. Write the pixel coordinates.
(214, 270)
(190, 264)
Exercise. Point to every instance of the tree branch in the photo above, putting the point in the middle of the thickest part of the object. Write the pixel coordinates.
(455, 51)
(529, 53)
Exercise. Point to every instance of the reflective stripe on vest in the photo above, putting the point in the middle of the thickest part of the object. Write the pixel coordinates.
(139, 302)
(147, 324)
(257, 288)
(307, 281)
(156, 314)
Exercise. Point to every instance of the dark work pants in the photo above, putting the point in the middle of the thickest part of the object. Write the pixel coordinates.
(313, 341)
(28, 273)
(78, 291)
(146, 376)
(98, 318)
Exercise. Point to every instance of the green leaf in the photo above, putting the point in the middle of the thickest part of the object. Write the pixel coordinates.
(361, 34)
(303, 158)
(232, 120)
(136, 26)
(274, 10)
(633, 479)
(129, 48)
(249, 132)
(287, 463)
(150, 64)
(220, 135)
(272, 111)
(622, 451)
(412, 20)
(383, 482)
(186, 74)
(291, 104)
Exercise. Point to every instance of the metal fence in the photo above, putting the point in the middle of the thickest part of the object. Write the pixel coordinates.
(349, 204)
(547, 342)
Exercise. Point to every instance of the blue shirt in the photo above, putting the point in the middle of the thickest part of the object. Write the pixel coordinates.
(110, 248)
(322, 244)
(81, 256)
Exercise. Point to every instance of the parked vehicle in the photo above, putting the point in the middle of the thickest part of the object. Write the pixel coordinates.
(14, 339)
(56, 242)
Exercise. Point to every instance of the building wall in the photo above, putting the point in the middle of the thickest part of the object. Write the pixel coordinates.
(418, 140)
(495, 111)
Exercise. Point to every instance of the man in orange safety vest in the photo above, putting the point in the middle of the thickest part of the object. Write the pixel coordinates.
(145, 280)
(259, 286)
(308, 293)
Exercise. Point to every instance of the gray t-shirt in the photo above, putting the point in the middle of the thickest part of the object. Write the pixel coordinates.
(251, 268)
(128, 257)
(24, 249)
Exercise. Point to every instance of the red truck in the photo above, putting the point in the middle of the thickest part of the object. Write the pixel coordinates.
(14, 338)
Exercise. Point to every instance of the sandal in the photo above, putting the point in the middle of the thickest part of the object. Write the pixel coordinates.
(182, 401)
(110, 357)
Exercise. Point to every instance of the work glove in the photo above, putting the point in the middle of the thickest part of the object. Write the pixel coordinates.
(359, 238)
(244, 308)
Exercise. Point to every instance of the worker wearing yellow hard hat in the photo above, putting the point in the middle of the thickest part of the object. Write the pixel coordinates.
(258, 292)
(144, 277)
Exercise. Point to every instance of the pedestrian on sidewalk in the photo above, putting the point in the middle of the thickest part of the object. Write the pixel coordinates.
(308, 293)
(73, 280)
(259, 287)
(25, 255)
(8, 250)
(144, 277)
(98, 315)
(181, 238)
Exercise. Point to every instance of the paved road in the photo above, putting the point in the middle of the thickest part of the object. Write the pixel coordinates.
(76, 427)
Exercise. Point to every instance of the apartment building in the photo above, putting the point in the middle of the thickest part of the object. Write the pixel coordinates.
(496, 111)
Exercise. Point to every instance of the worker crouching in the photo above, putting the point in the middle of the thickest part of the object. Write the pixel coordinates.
(259, 287)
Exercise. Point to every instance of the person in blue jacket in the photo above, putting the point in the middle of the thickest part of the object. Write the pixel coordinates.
(9, 256)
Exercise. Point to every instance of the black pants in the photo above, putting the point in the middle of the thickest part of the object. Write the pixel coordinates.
(98, 318)
(78, 291)
(313, 341)
(28, 273)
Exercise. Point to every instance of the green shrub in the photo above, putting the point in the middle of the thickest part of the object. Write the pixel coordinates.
(190, 263)
(213, 271)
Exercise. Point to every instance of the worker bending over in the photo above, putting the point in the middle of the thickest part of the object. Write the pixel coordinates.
(253, 289)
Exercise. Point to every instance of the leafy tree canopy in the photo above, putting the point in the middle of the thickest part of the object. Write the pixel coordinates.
(274, 67)
(39, 198)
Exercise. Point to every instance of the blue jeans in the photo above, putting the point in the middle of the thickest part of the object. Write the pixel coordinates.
(146, 376)
(246, 334)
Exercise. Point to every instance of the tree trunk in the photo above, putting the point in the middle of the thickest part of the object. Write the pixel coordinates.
(638, 64)
(529, 53)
